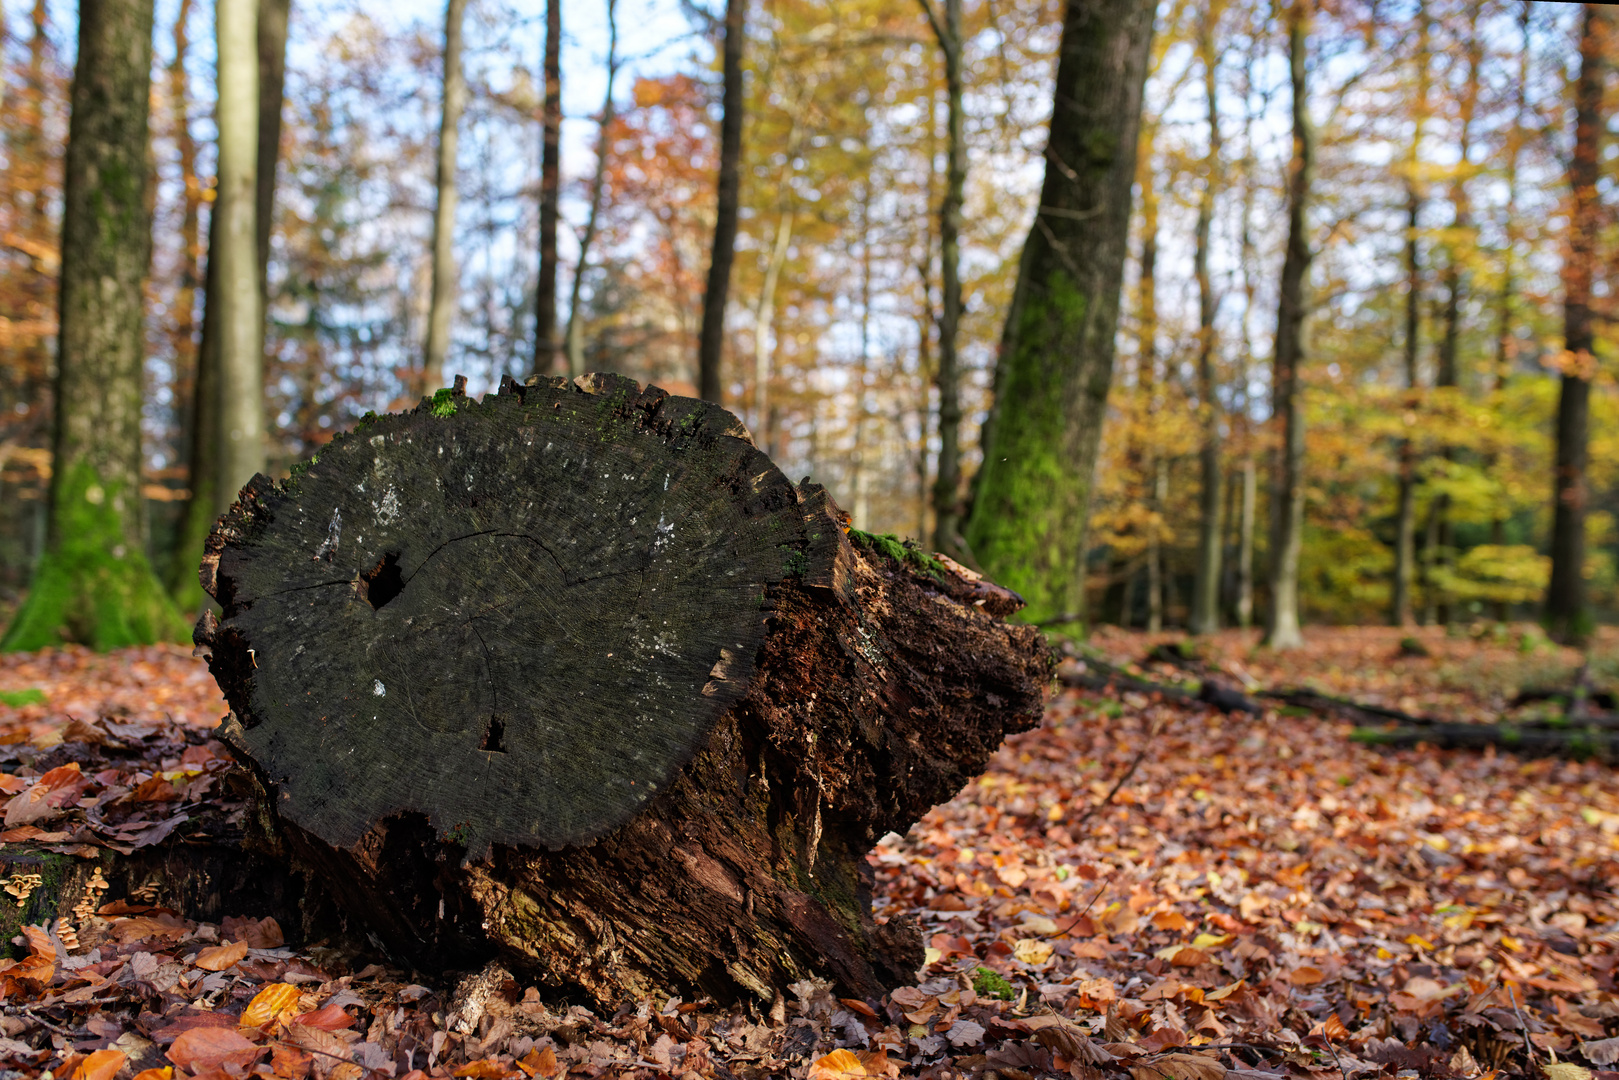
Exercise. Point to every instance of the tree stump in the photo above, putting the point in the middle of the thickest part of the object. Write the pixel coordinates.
(577, 676)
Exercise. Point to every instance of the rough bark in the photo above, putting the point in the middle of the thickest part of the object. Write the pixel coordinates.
(1568, 615)
(94, 584)
(697, 700)
(1206, 581)
(441, 308)
(546, 346)
(241, 342)
(764, 314)
(1287, 496)
(274, 17)
(727, 207)
(1028, 519)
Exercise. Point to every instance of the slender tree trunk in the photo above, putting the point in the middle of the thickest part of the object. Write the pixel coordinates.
(947, 478)
(181, 576)
(1029, 518)
(241, 345)
(1287, 500)
(1250, 469)
(1147, 363)
(1448, 373)
(1567, 615)
(94, 584)
(764, 314)
(1206, 582)
(727, 206)
(546, 346)
(204, 438)
(926, 324)
(1245, 541)
(1504, 300)
(861, 516)
(1405, 513)
(273, 20)
(598, 185)
(441, 311)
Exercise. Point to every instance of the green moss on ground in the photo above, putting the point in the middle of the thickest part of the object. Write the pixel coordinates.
(18, 698)
(92, 587)
(992, 984)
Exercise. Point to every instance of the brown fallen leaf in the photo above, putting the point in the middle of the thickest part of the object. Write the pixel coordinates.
(205, 1048)
(326, 1018)
(1178, 1067)
(483, 1069)
(540, 1063)
(221, 957)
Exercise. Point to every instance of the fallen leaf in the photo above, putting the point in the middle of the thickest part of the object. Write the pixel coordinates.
(165, 1073)
(540, 1063)
(1033, 950)
(1564, 1070)
(221, 957)
(483, 1069)
(1171, 920)
(101, 1065)
(270, 1005)
(847, 1065)
(205, 1048)
(50, 794)
(1601, 1052)
(1306, 976)
(1181, 1067)
(326, 1018)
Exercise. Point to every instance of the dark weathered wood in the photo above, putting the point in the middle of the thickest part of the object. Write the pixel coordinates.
(578, 675)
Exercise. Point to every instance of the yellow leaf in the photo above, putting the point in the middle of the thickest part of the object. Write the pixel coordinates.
(1211, 941)
(1509, 942)
(1033, 951)
(932, 956)
(1563, 1070)
(270, 1005)
(1420, 942)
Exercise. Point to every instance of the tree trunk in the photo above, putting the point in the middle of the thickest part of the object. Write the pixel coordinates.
(441, 310)
(947, 476)
(1568, 617)
(1028, 520)
(180, 576)
(1405, 511)
(1206, 582)
(598, 185)
(1245, 542)
(207, 500)
(94, 584)
(1287, 499)
(546, 346)
(711, 339)
(241, 344)
(764, 314)
(701, 703)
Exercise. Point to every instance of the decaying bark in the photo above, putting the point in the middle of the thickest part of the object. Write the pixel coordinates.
(576, 676)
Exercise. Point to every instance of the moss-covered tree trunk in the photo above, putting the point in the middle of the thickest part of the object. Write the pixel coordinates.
(577, 674)
(94, 584)
(1028, 520)
(1287, 394)
(1568, 616)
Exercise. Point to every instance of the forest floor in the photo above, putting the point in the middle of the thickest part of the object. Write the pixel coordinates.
(1136, 889)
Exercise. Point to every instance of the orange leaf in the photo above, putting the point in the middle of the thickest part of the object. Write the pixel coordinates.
(39, 941)
(269, 1005)
(483, 1069)
(220, 957)
(541, 1063)
(290, 1063)
(205, 1048)
(326, 1018)
(165, 1073)
(1171, 920)
(155, 789)
(101, 1065)
(860, 1007)
(838, 1065)
(1306, 976)
(1333, 1028)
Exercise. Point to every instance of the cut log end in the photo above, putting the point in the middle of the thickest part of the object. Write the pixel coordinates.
(577, 673)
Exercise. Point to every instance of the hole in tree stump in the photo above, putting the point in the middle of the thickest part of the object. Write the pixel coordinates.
(385, 581)
(494, 730)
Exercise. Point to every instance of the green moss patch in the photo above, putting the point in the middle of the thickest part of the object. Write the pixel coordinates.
(904, 552)
(18, 698)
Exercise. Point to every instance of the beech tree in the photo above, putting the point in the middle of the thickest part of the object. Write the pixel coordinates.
(1028, 519)
(1287, 405)
(1567, 615)
(441, 309)
(1206, 582)
(727, 207)
(545, 298)
(94, 585)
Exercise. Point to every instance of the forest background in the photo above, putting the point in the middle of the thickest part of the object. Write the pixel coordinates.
(1433, 348)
